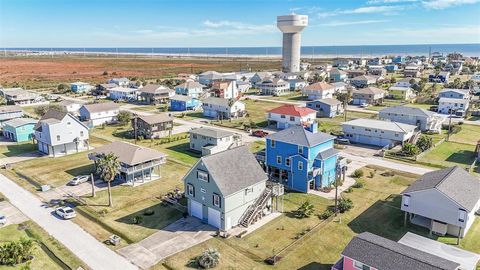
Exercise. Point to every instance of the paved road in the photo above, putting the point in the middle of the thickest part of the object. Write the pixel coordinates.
(92, 252)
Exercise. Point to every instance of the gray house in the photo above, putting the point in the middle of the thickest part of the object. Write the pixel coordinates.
(454, 93)
(8, 112)
(327, 107)
(210, 140)
(368, 95)
(227, 189)
(423, 119)
(444, 201)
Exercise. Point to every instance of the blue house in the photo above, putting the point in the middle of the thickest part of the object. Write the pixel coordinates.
(80, 87)
(391, 68)
(184, 103)
(441, 77)
(190, 88)
(398, 59)
(301, 159)
(19, 129)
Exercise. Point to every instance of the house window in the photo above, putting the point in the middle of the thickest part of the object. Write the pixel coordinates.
(81, 133)
(287, 162)
(58, 137)
(396, 134)
(68, 123)
(367, 129)
(272, 143)
(292, 118)
(190, 190)
(300, 149)
(406, 200)
(203, 190)
(300, 165)
(279, 160)
(194, 136)
(201, 175)
(361, 266)
(461, 215)
(216, 200)
(282, 116)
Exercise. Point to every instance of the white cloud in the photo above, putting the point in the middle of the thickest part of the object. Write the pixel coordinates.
(443, 4)
(376, 2)
(239, 26)
(343, 23)
(374, 9)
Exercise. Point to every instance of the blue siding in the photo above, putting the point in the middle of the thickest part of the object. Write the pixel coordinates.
(180, 105)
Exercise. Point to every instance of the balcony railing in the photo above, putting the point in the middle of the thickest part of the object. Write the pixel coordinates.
(143, 166)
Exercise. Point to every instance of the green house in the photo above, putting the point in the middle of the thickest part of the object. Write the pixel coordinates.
(19, 129)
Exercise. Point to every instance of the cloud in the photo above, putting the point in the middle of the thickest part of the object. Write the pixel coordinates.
(343, 23)
(376, 2)
(443, 4)
(239, 26)
(385, 9)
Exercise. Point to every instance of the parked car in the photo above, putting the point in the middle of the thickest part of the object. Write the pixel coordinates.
(77, 180)
(342, 141)
(364, 105)
(259, 133)
(65, 212)
(3, 220)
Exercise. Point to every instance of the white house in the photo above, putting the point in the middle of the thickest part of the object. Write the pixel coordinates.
(99, 113)
(275, 87)
(225, 89)
(211, 140)
(454, 93)
(377, 132)
(363, 80)
(221, 108)
(319, 90)
(71, 106)
(21, 97)
(121, 82)
(454, 106)
(444, 201)
(290, 115)
(208, 77)
(60, 133)
(122, 93)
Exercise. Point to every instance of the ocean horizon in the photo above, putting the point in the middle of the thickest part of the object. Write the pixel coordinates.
(306, 51)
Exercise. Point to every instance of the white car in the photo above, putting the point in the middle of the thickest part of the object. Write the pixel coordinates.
(77, 180)
(3, 220)
(364, 105)
(65, 212)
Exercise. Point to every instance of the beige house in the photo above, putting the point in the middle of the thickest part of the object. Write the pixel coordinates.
(153, 126)
(368, 95)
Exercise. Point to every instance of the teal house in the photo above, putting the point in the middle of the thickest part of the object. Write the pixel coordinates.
(19, 129)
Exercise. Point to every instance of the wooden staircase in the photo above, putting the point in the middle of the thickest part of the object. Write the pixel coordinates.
(254, 211)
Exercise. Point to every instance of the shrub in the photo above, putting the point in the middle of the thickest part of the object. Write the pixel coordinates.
(424, 143)
(210, 258)
(13, 253)
(326, 214)
(372, 174)
(358, 184)
(410, 149)
(124, 117)
(349, 190)
(357, 173)
(105, 73)
(149, 212)
(344, 205)
(305, 210)
(388, 174)
(137, 220)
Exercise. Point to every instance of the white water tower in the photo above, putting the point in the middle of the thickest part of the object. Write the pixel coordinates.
(291, 26)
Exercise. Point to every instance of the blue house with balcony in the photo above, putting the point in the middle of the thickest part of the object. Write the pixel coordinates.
(184, 103)
(301, 159)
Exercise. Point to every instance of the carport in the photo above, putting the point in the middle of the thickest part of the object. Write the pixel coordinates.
(467, 260)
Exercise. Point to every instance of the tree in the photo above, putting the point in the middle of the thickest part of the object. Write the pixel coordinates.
(393, 80)
(424, 143)
(108, 166)
(124, 117)
(43, 109)
(305, 210)
(410, 149)
(345, 205)
(13, 253)
(62, 88)
(210, 258)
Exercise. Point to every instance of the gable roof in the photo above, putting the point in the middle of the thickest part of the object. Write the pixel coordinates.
(220, 101)
(298, 135)
(319, 86)
(325, 154)
(292, 110)
(459, 91)
(380, 125)
(51, 116)
(156, 118)
(211, 132)
(364, 78)
(181, 98)
(101, 107)
(454, 182)
(453, 100)
(155, 89)
(230, 178)
(328, 101)
(405, 110)
(369, 91)
(128, 153)
(18, 122)
(190, 85)
(10, 108)
(382, 253)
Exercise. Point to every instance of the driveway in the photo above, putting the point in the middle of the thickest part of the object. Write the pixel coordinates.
(19, 158)
(13, 215)
(178, 236)
(92, 252)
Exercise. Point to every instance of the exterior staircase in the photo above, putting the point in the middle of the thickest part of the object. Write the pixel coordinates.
(255, 210)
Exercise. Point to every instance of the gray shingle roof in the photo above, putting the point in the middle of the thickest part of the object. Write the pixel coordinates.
(380, 125)
(52, 116)
(10, 108)
(219, 101)
(211, 132)
(101, 107)
(407, 111)
(156, 118)
(454, 182)
(328, 101)
(17, 122)
(181, 98)
(330, 152)
(129, 153)
(190, 85)
(382, 253)
(297, 135)
(234, 170)
(155, 89)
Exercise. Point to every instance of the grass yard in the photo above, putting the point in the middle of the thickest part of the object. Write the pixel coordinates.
(17, 149)
(42, 258)
(295, 96)
(469, 134)
(256, 146)
(334, 124)
(450, 154)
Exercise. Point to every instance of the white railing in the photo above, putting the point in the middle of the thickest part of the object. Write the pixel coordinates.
(143, 166)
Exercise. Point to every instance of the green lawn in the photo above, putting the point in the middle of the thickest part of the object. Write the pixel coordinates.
(334, 124)
(17, 149)
(295, 96)
(450, 154)
(469, 134)
(257, 146)
(42, 259)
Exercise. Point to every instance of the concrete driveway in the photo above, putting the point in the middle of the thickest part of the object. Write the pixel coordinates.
(178, 236)
(14, 216)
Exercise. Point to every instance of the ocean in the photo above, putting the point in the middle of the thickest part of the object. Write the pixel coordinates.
(306, 51)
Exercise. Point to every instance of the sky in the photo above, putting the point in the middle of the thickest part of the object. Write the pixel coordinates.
(234, 23)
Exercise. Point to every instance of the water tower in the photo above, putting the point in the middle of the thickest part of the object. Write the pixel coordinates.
(291, 26)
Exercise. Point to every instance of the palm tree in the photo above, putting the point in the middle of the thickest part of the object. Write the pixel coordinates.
(305, 210)
(108, 167)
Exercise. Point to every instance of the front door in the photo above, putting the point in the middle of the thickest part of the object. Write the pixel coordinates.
(311, 185)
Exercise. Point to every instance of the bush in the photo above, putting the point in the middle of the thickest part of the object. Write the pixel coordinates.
(424, 143)
(326, 214)
(13, 253)
(149, 212)
(357, 173)
(137, 220)
(410, 149)
(349, 190)
(210, 258)
(358, 184)
(305, 210)
(124, 117)
(344, 205)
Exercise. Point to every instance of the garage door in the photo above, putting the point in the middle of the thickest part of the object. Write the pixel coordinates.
(214, 217)
(196, 209)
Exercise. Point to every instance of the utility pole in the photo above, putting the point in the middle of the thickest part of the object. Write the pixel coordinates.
(135, 127)
(345, 107)
(449, 125)
(93, 184)
(336, 194)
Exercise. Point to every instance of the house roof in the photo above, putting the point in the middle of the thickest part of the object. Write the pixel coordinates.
(52, 116)
(156, 118)
(363, 78)
(155, 89)
(460, 91)
(370, 91)
(234, 170)
(382, 253)
(67, 102)
(453, 100)
(220, 101)
(400, 88)
(337, 71)
(298, 135)
(211, 75)
(190, 85)
(319, 86)
(328, 101)
(211, 132)
(292, 110)
(325, 154)
(381, 125)
(181, 98)
(123, 89)
(275, 81)
(128, 153)
(10, 108)
(101, 107)
(454, 182)
(18, 122)
(407, 111)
